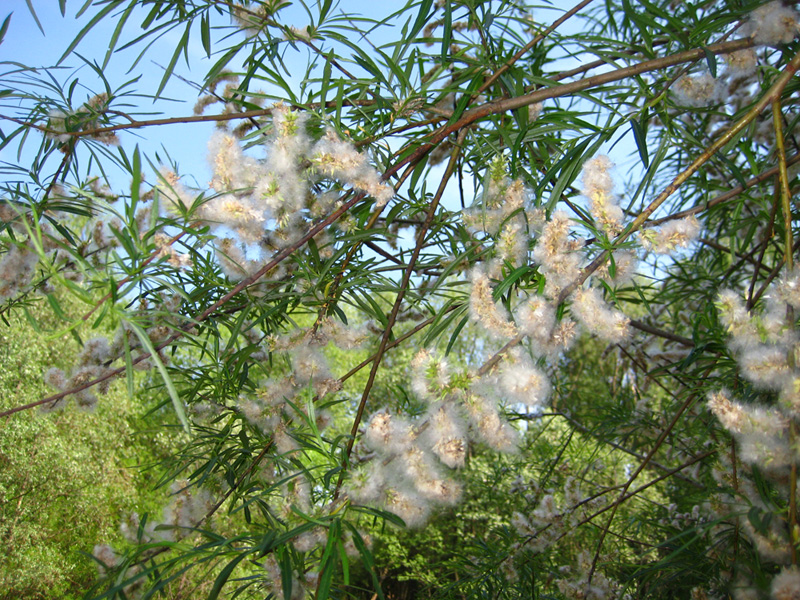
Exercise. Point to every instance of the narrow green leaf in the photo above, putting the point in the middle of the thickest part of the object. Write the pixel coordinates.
(422, 18)
(136, 174)
(711, 61)
(340, 101)
(101, 315)
(224, 575)
(569, 165)
(447, 31)
(759, 524)
(220, 65)
(313, 253)
(366, 556)
(370, 67)
(509, 281)
(286, 574)
(419, 169)
(128, 368)
(236, 330)
(181, 47)
(327, 561)
(454, 336)
(56, 306)
(117, 31)
(444, 320)
(4, 27)
(173, 393)
(640, 137)
(82, 9)
(34, 15)
(101, 14)
(326, 80)
(340, 313)
(205, 34)
(324, 9)
(151, 17)
(369, 305)
(72, 87)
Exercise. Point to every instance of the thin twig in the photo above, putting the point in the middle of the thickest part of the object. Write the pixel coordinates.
(770, 278)
(276, 260)
(667, 335)
(767, 234)
(527, 47)
(788, 246)
(652, 464)
(423, 231)
(557, 91)
(623, 495)
(729, 195)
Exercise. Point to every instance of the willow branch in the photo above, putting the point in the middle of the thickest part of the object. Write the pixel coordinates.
(248, 281)
(623, 497)
(527, 47)
(667, 335)
(557, 91)
(423, 231)
(788, 241)
(729, 195)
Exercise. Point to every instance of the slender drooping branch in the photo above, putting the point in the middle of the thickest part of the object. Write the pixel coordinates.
(248, 281)
(567, 89)
(527, 47)
(722, 198)
(423, 231)
(788, 259)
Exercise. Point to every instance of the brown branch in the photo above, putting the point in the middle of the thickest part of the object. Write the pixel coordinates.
(753, 181)
(557, 91)
(772, 275)
(767, 234)
(277, 259)
(745, 257)
(650, 483)
(378, 250)
(667, 335)
(467, 119)
(139, 124)
(512, 103)
(652, 464)
(628, 495)
(622, 497)
(260, 112)
(423, 231)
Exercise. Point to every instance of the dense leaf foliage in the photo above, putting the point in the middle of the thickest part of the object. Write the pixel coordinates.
(417, 335)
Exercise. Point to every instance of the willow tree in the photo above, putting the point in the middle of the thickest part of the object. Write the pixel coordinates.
(434, 196)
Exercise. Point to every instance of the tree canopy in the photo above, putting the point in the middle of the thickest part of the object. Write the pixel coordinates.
(474, 298)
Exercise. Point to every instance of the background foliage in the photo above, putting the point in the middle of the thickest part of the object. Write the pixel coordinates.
(410, 334)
